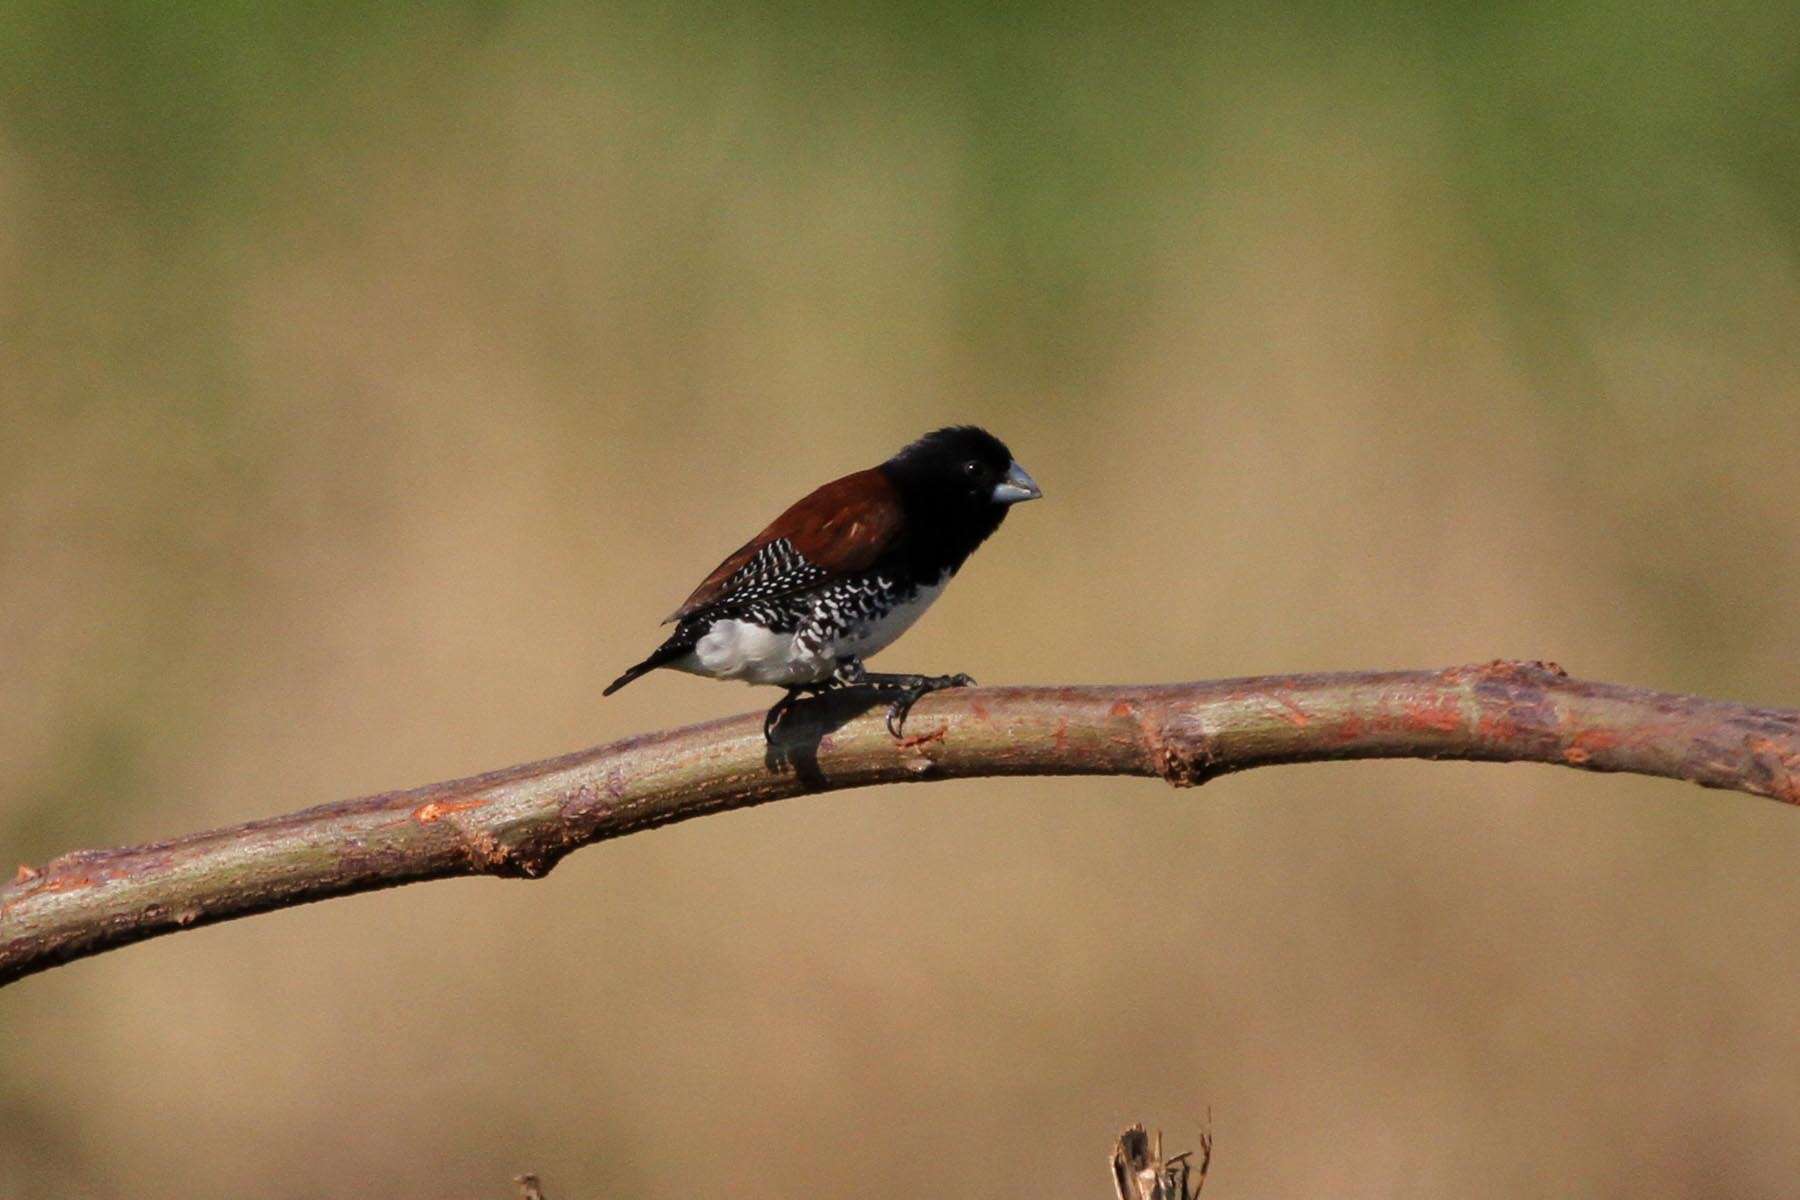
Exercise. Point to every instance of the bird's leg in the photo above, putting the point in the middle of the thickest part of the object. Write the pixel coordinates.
(910, 688)
(849, 673)
(780, 708)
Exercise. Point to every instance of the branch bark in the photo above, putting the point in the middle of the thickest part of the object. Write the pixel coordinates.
(521, 820)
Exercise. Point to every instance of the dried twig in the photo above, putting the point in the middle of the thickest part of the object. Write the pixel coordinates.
(521, 820)
(1140, 1172)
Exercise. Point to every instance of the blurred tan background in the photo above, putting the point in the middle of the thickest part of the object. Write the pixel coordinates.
(375, 379)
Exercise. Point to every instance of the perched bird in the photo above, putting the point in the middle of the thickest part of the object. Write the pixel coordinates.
(844, 572)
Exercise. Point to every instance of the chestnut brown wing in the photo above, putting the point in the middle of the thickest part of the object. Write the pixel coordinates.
(839, 529)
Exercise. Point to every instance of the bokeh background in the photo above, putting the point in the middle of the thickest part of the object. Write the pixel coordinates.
(375, 377)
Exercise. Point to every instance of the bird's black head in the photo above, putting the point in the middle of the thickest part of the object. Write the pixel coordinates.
(956, 485)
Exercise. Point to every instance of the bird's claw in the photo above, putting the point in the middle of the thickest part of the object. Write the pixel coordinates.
(896, 714)
(896, 717)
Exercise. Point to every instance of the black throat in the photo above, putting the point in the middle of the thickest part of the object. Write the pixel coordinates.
(942, 529)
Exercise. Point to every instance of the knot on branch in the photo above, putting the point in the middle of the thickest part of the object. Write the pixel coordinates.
(1180, 752)
(1509, 670)
(488, 853)
(494, 857)
(1774, 767)
(1184, 759)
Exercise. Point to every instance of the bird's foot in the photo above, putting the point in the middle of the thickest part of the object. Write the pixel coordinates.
(780, 709)
(910, 689)
(772, 719)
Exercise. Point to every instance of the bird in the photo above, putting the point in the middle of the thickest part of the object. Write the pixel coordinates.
(845, 571)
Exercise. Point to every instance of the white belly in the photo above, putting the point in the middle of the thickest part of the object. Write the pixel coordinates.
(740, 650)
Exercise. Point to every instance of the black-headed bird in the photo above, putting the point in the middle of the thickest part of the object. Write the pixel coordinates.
(845, 571)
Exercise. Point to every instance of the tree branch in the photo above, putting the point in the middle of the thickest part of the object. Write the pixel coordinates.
(520, 821)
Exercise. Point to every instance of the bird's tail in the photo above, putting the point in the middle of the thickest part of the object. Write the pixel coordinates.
(664, 654)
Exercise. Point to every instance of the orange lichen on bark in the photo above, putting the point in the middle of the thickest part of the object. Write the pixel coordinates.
(1588, 742)
(914, 741)
(1442, 715)
(1291, 712)
(1497, 728)
(437, 810)
(1784, 786)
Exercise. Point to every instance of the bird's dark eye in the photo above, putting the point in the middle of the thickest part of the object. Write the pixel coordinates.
(971, 467)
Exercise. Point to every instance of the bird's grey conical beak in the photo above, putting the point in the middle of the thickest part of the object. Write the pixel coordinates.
(1016, 486)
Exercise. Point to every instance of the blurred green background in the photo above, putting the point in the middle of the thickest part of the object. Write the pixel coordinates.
(375, 377)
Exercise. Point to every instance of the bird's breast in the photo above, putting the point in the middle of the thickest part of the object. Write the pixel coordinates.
(889, 612)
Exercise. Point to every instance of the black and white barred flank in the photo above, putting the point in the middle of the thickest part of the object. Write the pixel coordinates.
(801, 637)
